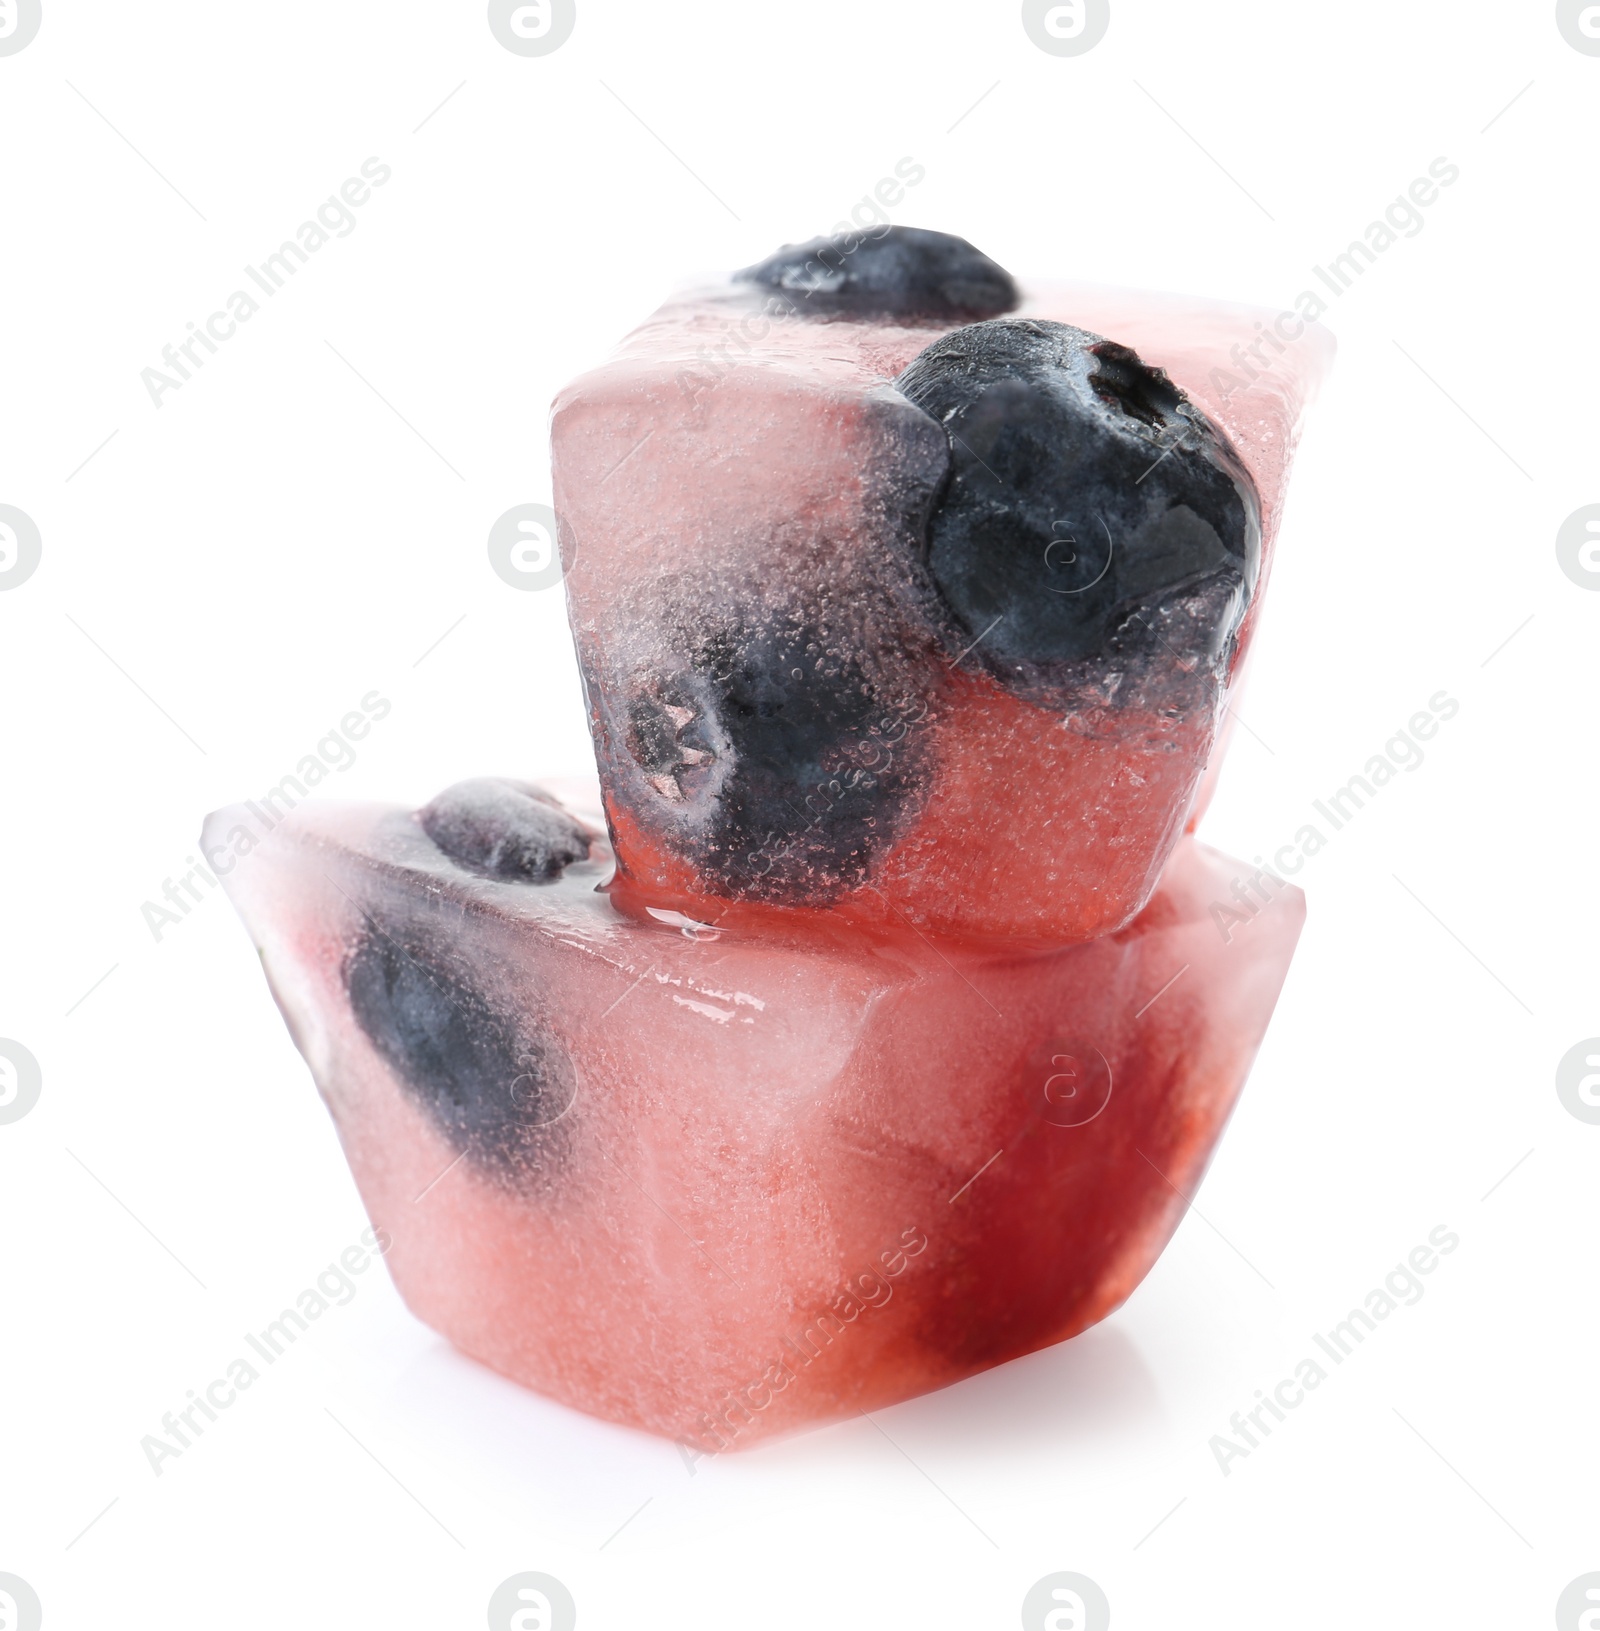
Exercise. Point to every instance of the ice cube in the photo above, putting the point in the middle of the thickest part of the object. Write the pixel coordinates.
(901, 594)
(721, 1184)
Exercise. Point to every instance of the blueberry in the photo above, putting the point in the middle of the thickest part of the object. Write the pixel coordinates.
(1092, 512)
(497, 1086)
(506, 830)
(888, 272)
(780, 758)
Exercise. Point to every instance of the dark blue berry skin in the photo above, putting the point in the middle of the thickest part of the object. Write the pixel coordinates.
(422, 974)
(780, 762)
(505, 830)
(904, 272)
(496, 1087)
(1093, 515)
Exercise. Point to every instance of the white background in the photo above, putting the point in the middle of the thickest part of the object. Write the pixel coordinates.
(229, 574)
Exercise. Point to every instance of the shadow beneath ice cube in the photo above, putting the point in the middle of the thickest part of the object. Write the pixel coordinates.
(1092, 1393)
(1097, 1385)
(1076, 1403)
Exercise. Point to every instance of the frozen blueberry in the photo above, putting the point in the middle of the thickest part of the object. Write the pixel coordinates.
(770, 756)
(506, 830)
(497, 1087)
(1092, 511)
(888, 272)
